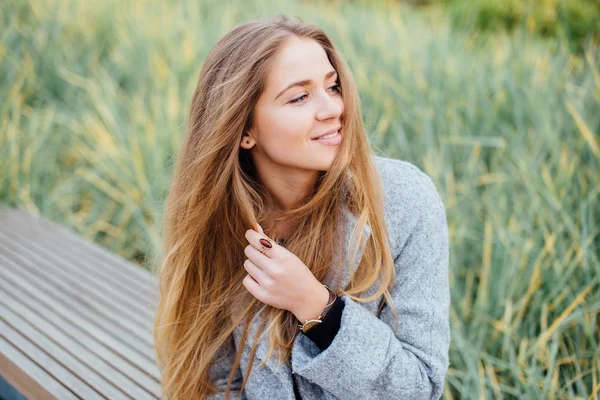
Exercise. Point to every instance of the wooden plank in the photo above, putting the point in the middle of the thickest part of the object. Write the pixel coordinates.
(73, 347)
(24, 331)
(39, 311)
(114, 267)
(86, 268)
(69, 277)
(123, 268)
(78, 300)
(51, 366)
(31, 380)
(90, 309)
(132, 278)
(111, 336)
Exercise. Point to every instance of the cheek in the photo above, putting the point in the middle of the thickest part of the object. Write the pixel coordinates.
(290, 126)
(340, 101)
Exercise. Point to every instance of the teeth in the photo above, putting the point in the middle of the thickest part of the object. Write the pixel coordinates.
(329, 136)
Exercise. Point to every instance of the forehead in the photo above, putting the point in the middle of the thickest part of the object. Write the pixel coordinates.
(298, 58)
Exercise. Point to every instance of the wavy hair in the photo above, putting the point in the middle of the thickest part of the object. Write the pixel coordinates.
(215, 196)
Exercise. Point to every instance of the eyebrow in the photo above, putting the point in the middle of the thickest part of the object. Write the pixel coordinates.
(304, 82)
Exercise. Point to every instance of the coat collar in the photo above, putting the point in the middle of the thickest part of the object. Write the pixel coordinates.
(281, 371)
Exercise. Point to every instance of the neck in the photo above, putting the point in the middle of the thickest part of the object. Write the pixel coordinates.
(282, 229)
(286, 184)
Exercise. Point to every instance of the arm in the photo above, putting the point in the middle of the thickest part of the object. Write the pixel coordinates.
(220, 373)
(367, 359)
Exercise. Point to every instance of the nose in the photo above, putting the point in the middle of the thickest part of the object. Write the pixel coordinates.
(329, 106)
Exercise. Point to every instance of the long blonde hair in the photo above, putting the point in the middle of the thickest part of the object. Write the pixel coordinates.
(215, 197)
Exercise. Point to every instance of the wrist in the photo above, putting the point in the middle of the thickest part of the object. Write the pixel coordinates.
(314, 305)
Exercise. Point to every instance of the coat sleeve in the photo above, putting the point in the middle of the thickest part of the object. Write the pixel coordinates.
(220, 373)
(367, 359)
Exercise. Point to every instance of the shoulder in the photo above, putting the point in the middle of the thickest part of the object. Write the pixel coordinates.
(403, 171)
(407, 185)
(410, 196)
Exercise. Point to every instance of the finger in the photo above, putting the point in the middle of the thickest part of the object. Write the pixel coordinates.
(261, 260)
(250, 283)
(254, 238)
(258, 274)
(253, 287)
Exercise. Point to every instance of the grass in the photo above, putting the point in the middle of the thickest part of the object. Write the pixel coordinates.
(95, 96)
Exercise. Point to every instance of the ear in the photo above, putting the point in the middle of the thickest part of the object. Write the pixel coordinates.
(244, 143)
(246, 140)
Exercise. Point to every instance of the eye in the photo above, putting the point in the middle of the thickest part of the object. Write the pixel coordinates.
(297, 100)
(336, 87)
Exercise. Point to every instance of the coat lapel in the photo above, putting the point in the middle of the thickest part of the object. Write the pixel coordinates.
(283, 372)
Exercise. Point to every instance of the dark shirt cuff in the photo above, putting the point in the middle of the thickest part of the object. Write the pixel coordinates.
(323, 334)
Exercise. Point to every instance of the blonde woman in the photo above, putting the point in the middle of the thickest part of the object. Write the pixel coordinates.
(298, 264)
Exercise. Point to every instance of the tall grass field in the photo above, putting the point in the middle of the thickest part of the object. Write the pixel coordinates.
(94, 97)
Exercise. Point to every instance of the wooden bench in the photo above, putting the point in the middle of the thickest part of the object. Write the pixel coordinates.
(75, 319)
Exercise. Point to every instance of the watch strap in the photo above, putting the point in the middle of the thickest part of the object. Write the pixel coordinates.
(330, 302)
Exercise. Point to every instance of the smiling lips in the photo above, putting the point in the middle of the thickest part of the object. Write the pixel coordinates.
(332, 139)
(327, 133)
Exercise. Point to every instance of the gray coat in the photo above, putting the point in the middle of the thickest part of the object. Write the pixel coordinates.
(367, 359)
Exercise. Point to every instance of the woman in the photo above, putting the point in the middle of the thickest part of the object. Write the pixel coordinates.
(296, 266)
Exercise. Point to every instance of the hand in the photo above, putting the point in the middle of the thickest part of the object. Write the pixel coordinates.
(280, 279)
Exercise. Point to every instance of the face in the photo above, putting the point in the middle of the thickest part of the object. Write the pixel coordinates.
(286, 119)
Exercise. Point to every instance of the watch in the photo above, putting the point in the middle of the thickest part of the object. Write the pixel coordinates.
(309, 323)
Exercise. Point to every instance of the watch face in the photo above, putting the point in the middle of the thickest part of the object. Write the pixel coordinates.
(311, 324)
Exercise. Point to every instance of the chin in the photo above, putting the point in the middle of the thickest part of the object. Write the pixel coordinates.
(325, 167)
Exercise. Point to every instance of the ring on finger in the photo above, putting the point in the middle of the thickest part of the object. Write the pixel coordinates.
(265, 243)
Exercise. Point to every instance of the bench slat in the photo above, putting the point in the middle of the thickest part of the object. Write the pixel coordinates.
(78, 300)
(74, 348)
(142, 276)
(70, 278)
(87, 339)
(48, 245)
(75, 319)
(118, 341)
(133, 279)
(33, 384)
(49, 364)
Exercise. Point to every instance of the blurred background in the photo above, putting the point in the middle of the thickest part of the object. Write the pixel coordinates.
(498, 101)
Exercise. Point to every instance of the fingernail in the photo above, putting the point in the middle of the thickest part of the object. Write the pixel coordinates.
(266, 243)
(260, 227)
